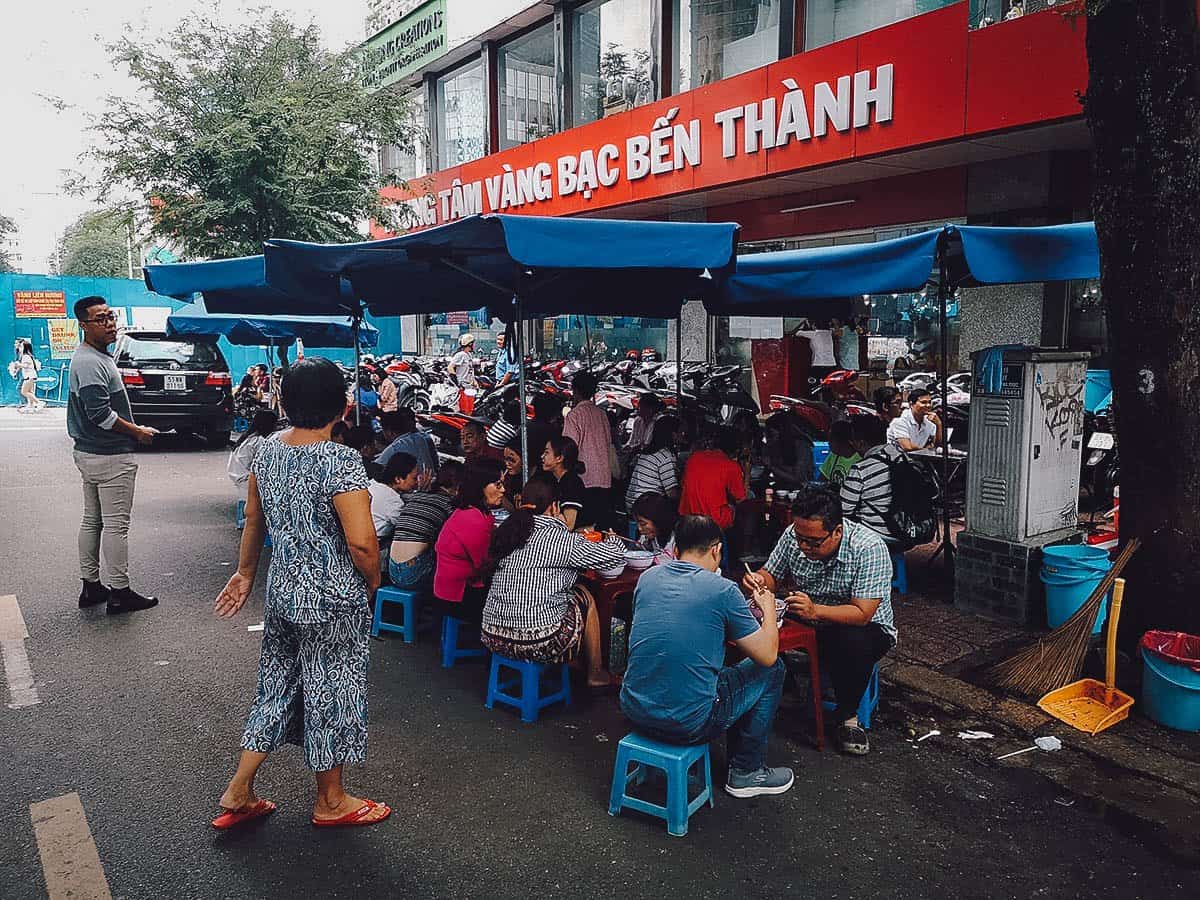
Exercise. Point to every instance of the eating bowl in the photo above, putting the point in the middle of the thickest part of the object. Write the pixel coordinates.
(614, 572)
(639, 559)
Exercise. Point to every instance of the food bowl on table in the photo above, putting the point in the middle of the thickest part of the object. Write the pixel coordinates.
(612, 572)
(638, 559)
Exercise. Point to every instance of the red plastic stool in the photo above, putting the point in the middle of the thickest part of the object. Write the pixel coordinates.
(795, 636)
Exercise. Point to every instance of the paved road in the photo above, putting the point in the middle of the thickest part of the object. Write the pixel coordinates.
(141, 716)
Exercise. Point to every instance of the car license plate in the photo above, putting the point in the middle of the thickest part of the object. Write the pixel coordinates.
(175, 382)
(1100, 440)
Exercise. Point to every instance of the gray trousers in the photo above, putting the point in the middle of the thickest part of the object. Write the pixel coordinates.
(107, 503)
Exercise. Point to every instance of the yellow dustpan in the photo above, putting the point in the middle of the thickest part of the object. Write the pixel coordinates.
(1088, 704)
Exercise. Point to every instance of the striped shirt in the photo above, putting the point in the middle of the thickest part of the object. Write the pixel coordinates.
(861, 570)
(532, 585)
(424, 514)
(587, 425)
(867, 491)
(500, 433)
(652, 472)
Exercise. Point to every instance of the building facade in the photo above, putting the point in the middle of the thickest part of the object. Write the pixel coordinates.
(809, 122)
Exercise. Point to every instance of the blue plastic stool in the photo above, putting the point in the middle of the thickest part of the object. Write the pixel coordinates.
(406, 599)
(870, 700)
(675, 761)
(450, 649)
(899, 571)
(529, 677)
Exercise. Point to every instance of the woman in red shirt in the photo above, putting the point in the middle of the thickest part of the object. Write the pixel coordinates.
(713, 482)
(462, 545)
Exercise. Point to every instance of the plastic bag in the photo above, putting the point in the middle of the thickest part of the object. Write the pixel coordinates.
(1176, 647)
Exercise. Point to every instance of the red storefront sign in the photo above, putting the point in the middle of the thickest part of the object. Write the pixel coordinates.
(39, 304)
(899, 87)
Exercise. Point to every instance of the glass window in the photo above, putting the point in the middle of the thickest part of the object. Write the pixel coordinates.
(462, 116)
(614, 57)
(718, 39)
(407, 163)
(826, 21)
(528, 98)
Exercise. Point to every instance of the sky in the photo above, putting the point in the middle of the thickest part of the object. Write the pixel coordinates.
(57, 49)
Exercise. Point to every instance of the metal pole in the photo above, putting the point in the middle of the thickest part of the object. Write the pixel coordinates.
(587, 342)
(521, 388)
(679, 364)
(943, 292)
(357, 354)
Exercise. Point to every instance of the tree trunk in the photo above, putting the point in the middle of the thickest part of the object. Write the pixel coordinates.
(1143, 109)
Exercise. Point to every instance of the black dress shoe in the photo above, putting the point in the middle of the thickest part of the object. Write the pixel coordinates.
(93, 593)
(123, 600)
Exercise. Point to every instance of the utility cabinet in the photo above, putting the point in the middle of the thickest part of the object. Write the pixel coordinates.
(1026, 438)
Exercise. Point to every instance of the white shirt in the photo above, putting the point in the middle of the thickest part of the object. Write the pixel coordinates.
(238, 466)
(385, 507)
(462, 367)
(29, 368)
(905, 426)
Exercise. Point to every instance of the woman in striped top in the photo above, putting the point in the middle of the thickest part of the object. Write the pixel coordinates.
(654, 466)
(412, 561)
(535, 609)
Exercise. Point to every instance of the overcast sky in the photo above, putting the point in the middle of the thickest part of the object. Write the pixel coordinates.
(56, 48)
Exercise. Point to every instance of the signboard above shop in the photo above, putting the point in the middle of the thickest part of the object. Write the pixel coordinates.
(405, 46)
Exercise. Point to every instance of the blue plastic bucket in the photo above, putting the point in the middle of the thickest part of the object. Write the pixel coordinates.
(820, 452)
(1065, 593)
(1170, 693)
(1097, 386)
(1070, 559)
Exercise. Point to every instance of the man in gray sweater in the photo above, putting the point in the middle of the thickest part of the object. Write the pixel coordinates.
(101, 422)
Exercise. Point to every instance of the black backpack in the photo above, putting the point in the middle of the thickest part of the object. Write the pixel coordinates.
(912, 518)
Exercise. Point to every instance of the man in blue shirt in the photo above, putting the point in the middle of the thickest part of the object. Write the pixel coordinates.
(677, 687)
(400, 431)
(506, 370)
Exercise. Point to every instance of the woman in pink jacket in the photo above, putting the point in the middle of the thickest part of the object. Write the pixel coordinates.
(462, 546)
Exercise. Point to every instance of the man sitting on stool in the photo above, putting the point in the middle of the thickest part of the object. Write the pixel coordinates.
(677, 688)
(844, 578)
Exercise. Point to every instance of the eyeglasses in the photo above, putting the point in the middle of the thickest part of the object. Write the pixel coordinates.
(812, 543)
(103, 317)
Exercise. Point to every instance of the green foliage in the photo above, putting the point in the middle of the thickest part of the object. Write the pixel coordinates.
(94, 245)
(240, 135)
(7, 227)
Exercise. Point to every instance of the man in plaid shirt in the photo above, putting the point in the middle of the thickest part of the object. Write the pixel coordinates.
(841, 576)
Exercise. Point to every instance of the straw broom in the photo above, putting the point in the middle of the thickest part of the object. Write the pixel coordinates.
(1056, 659)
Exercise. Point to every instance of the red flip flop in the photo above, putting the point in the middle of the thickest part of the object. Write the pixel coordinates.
(357, 817)
(230, 818)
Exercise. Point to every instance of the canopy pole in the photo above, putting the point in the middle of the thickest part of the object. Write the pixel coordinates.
(679, 364)
(357, 360)
(521, 388)
(944, 373)
(587, 343)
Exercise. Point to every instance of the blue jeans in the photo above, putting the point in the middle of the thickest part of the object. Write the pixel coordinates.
(417, 572)
(744, 709)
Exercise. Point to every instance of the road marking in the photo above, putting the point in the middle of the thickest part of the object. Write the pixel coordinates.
(17, 672)
(69, 858)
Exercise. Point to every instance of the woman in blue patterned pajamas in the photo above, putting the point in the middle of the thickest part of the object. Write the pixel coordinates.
(311, 495)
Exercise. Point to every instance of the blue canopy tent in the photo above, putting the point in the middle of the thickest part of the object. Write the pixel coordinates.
(238, 298)
(519, 266)
(247, 330)
(818, 281)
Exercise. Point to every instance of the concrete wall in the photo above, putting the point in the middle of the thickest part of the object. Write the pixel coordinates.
(1003, 314)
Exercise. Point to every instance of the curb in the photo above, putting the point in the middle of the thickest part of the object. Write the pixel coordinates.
(1142, 789)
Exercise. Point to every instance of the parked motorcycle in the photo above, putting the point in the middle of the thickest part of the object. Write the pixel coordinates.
(1101, 459)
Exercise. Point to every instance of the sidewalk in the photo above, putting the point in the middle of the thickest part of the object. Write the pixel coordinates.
(1143, 776)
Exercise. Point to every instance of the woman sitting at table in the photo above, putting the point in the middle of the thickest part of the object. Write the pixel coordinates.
(535, 609)
(462, 546)
(656, 515)
(417, 525)
(512, 473)
(560, 460)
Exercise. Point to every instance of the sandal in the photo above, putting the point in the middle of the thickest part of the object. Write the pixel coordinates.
(231, 817)
(357, 817)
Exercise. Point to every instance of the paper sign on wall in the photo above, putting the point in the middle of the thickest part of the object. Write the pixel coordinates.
(64, 337)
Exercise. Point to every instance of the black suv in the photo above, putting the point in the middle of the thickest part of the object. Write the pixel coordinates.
(177, 384)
